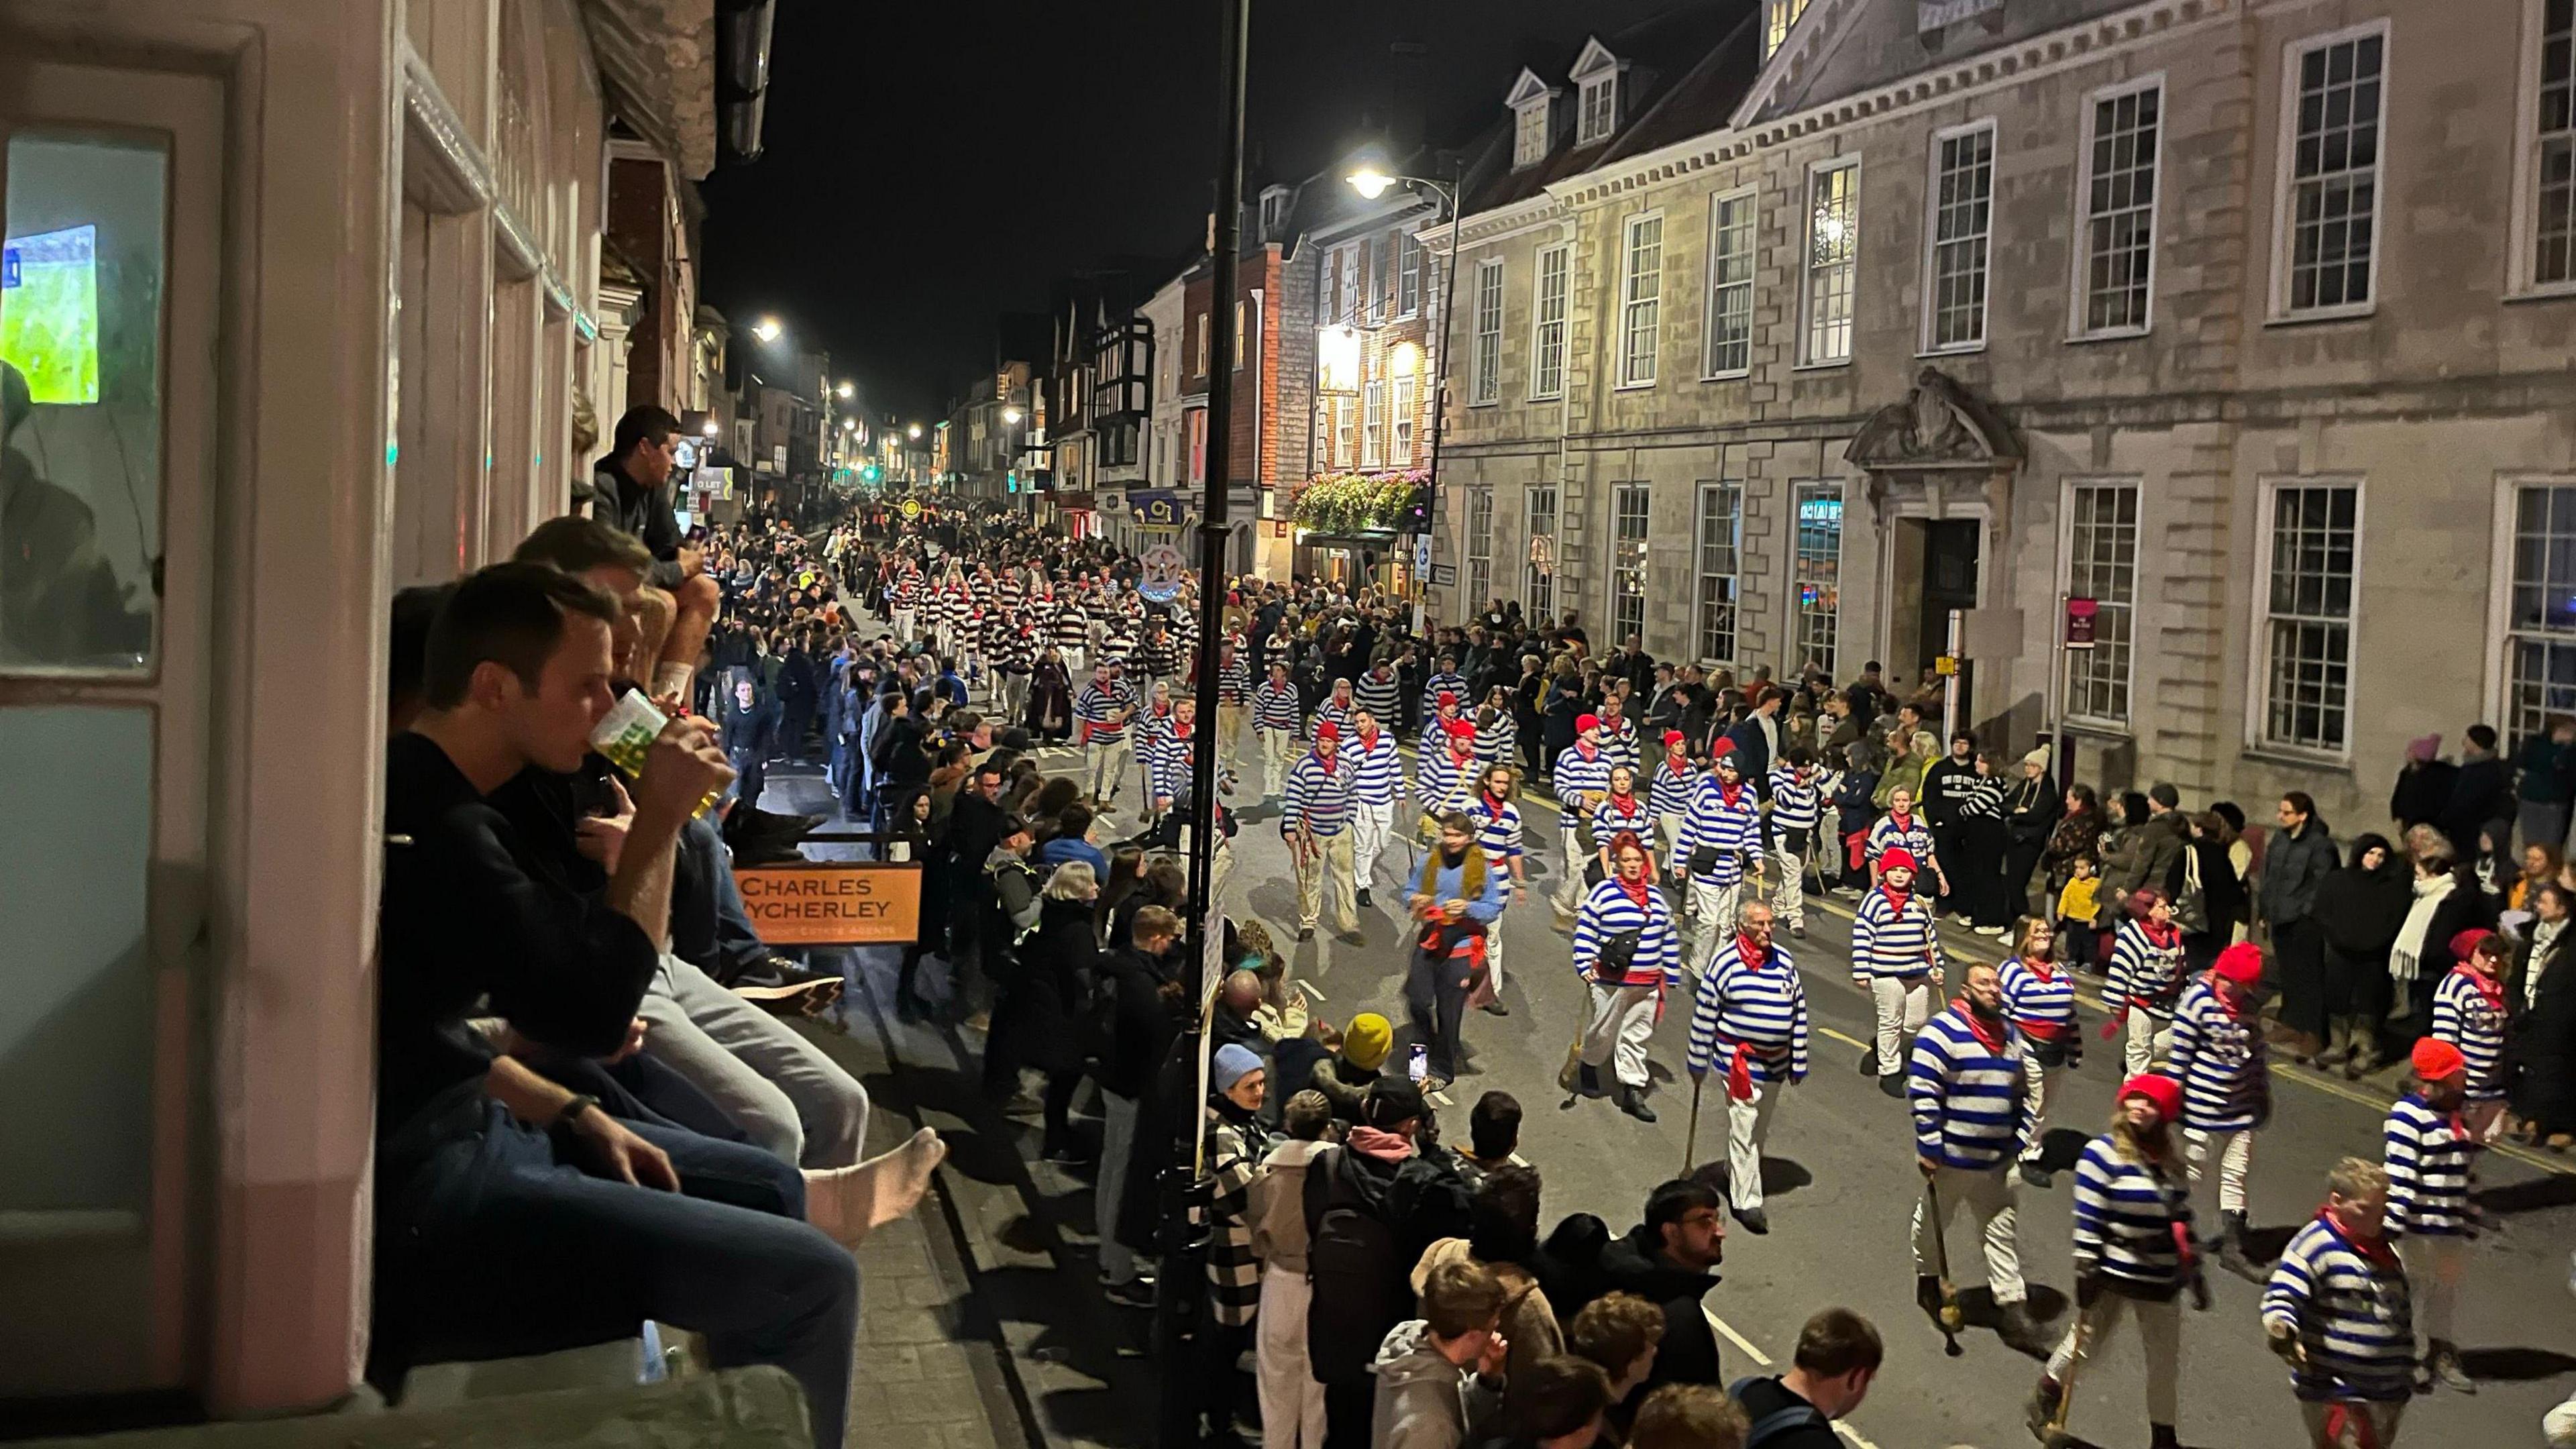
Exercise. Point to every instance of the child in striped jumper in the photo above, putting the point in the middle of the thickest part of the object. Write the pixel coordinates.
(2217, 1055)
(2469, 1013)
(2146, 978)
(1896, 958)
(2133, 1251)
(2427, 1148)
(2039, 996)
(2338, 1309)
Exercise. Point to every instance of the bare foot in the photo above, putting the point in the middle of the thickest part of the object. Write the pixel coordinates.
(848, 1203)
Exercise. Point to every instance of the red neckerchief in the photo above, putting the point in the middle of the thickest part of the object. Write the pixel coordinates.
(1627, 804)
(1679, 769)
(1587, 750)
(1989, 1037)
(1642, 892)
(2376, 1250)
(1461, 759)
(1896, 898)
(1494, 804)
(1368, 740)
(2458, 1119)
(1903, 821)
(1754, 957)
(2044, 970)
(1729, 794)
(2488, 987)
(2172, 933)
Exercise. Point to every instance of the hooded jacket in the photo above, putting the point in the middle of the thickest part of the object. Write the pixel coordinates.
(1423, 1400)
(1278, 1210)
(1529, 1320)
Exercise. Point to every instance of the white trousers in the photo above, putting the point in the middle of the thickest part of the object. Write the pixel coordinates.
(1105, 764)
(2147, 1041)
(1074, 668)
(1570, 838)
(2235, 1160)
(2159, 1331)
(903, 627)
(1278, 749)
(1370, 823)
(1903, 1004)
(2435, 1264)
(1789, 892)
(1669, 831)
(1990, 1195)
(1748, 1126)
(1712, 910)
(1622, 1022)
(1292, 1403)
(1326, 869)
(2037, 1084)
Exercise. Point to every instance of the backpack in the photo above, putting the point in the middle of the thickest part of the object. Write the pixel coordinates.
(1352, 1260)
(1779, 1421)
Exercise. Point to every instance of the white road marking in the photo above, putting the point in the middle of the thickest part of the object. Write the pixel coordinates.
(1763, 1360)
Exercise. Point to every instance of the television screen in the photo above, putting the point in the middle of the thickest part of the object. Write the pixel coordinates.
(49, 313)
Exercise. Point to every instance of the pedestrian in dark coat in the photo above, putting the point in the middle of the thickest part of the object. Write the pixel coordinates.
(1050, 714)
(2541, 1041)
(2481, 801)
(2032, 808)
(2423, 788)
(1034, 1026)
(2357, 909)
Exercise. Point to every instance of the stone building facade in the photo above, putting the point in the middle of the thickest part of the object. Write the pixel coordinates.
(2246, 320)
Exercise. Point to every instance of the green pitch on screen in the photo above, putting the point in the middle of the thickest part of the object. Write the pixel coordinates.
(49, 313)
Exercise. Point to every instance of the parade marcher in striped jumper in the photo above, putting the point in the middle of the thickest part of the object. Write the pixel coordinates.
(2339, 1309)
(1901, 829)
(1337, 707)
(2226, 1087)
(1797, 803)
(2427, 1146)
(1381, 693)
(1375, 774)
(2039, 996)
(1715, 853)
(1628, 952)
(1750, 1021)
(2133, 1252)
(1315, 819)
(1619, 734)
(1457, 896)
(1497, 733)
(1277, 715)
(2469, 1013)
(1623, 812)
(1963, 1084)
(1498, 830)
(1670, 790)
(1233, 697)
(1445, 680)
(2146, 978)
(1581, 781)
(1896, 958)
(1444, 775)
(1072, 632)
(1105, 710)
(906, 594)
(1153, 735)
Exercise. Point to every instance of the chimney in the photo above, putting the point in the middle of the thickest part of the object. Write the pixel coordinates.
(1408, 65)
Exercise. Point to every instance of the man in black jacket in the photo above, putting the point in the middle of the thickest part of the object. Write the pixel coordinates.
(1668, 1261)
(1131, 1031)
(1947, 782)
(629, 488)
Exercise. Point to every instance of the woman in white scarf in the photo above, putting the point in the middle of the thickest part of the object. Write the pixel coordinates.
(2434, 883)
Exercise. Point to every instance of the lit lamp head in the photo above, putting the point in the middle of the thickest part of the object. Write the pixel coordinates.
(914, 431)
(1370, 181)
(1011, 416)
(847, 390)
(766, 329)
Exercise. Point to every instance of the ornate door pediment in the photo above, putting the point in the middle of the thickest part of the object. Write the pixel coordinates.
(1939, 443)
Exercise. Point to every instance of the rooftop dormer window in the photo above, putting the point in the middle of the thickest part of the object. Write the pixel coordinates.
(1533, 107)
(1596, 78)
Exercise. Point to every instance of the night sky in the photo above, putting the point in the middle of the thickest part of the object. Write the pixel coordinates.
(931, 165)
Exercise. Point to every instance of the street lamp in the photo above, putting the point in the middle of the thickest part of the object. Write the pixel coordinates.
(849, 425)
(1012, 416)
(708, 427)
(766, 329)
(1371, 182)
(847, 390)
(913, 432)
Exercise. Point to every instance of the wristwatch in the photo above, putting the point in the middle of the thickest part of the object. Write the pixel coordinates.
(571, 1112)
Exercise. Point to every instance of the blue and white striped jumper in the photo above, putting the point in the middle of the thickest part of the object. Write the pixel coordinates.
(1498, 827)
(1275, 706)
(1445, 682)
(1336, 711)
(1377, 770)
(1762, 1007)
(1440, 781)
(1098, 707)
(1619, 742)
(1497, 738)
(1320, 797)
(1966, 1096)
(1574, 774)
(2046, 1003)
(1383, 698)
(1732, 829)
(2427, 1154)
(2125, 1212)
(1909, 834)
(1617, 817)
(1234, 683)
(1796, 802)
(1670, 791)
(2353, 1314)
(1609, 910)
(1892, 940)
(2144, 973)
(2218, 1057)
(1171, 769)
(2468, 1017)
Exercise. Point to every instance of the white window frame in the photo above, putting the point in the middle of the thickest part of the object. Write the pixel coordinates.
(2523, 268)
(1346, 411)
(1619, 493)
(1373, 423)
(1730, 491)
(1752, 232)
(1548, 321)
(1779, 17)
(1632, 304)
(2284, 240)
(1527, 118)
(1408, 275)
(1606, 86)
(1534, 587)
(1807, 358)
(2501, 632)
(2115, 724)
(1800, 491)
(1485, 348)
(1480, 545)
(1928, 342)
(2259, 647)
(2080, 296)
(1203, 346)
(1404, 396)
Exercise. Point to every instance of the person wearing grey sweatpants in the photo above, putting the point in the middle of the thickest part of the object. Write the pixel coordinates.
(790, 1097)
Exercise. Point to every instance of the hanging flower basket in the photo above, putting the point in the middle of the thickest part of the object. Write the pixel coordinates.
(1354, 502)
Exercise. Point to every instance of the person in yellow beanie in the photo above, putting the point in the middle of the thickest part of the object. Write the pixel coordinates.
(1347, 1074)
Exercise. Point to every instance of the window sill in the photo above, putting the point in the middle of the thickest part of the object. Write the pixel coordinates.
(1645, 386)
(2110, 334)
(2547, 292)
(2322, 314)
(1488, 403)
(1962, 349)
(2097, 729)
(1827, 366)
(1737, 374)
(2297, 760)
(1546, 397)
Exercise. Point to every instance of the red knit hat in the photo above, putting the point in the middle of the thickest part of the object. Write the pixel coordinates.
(1461, 729)
(1327, 730)
(2466, 943)
(1723, 748)
(1584, 722)
(1896, 860)
(2241, 963)
(1673, 737)
(1448, 700)
(2158, 1088)
(2435, 1059)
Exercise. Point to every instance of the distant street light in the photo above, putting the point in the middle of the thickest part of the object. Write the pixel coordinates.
(849, 425)
(1012, 416)
(1370, 182)
(709, 427)
(913, 432)
(847, 389)
(766, 329)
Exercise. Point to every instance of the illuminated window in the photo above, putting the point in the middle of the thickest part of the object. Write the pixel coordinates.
(1720, 541)
(2102, 565)
(1538, 519)
(1777, 17)
(1345, 412)
(1373, 425)
(1480, 546)
(1630, 524)
(1819, 572)
(1406, 391)
(1529, 134)
(2540, 612)
(1833, 251)
(1730, 284)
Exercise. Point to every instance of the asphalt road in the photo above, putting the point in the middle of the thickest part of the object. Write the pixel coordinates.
(1841, 1185)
